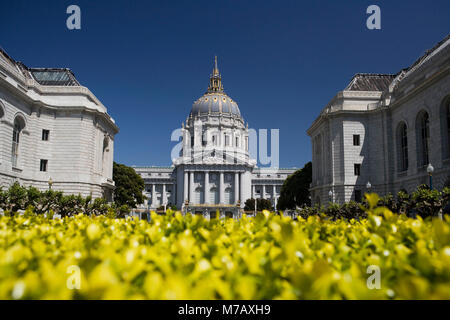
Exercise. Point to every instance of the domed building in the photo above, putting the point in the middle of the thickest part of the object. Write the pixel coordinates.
(214, 171)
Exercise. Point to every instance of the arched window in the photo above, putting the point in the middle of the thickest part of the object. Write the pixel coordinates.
(228, 196)
(423, 138)
(215, 140)
(445, 127)
(105, 157)
(19, 124)
(447, 110)
(402, 147)
(2, 114)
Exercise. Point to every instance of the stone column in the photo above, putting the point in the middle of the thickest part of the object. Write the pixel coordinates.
(253, 191)
(191, 187)
(206, 187)
(173, 196)
(241, 189)
(164, 195)
(153, 195)
(274, 196)
(236, 187)
(246, 185)
(263, 191)
(221, 189)
(186, 186)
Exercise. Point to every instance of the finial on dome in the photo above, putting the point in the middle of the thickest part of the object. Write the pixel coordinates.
(215, 80)
(216, 68)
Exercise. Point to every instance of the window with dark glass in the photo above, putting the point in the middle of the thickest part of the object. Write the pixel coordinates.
(43, 166)
(357, 169)
(424, 139)
(17, 129)
(45, 135)
(356, 140)
(448, 128)
(403, 144)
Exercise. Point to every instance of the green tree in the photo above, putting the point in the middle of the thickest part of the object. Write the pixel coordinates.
(16, 197)
(295, 189)
(129, 186)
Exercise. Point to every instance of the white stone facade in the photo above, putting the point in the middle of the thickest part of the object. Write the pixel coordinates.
(214, 171)
(53, 129)
(402, 122)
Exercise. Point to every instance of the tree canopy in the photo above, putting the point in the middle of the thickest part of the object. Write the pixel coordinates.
(295, 189)
(129, 186)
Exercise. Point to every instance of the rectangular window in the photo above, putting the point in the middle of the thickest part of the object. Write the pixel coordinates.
(227, 141)
(237, 142)
(358, 195)
(357, 169)
(356, 139)
(192, 141)
(204, 139)
(45, 134)
(43, 165)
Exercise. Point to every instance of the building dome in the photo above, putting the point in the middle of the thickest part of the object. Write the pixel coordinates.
(215, 103)
(215, 100)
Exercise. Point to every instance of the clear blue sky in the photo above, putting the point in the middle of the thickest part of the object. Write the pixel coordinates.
(282, 61)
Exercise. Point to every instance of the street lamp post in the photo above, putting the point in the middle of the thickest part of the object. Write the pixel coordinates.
(330, 195)
(50, 183)
(430, 171)
(368, 186)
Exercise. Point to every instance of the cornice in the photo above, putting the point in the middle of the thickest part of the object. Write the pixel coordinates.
(24, 85)
(423, 85)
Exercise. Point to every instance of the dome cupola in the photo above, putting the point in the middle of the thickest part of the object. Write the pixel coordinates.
(215, 100)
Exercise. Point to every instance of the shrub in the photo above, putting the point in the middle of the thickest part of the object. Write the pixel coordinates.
(3, 199)
(122, 211)
(262, 204)
(189, 257)
(16, 198)
(98, 207)
(427, 202)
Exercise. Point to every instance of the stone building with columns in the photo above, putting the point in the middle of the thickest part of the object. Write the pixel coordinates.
(382, 132)
(214, 171)
(53, 132)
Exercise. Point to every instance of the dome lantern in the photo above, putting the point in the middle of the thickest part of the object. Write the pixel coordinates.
(215, 80)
